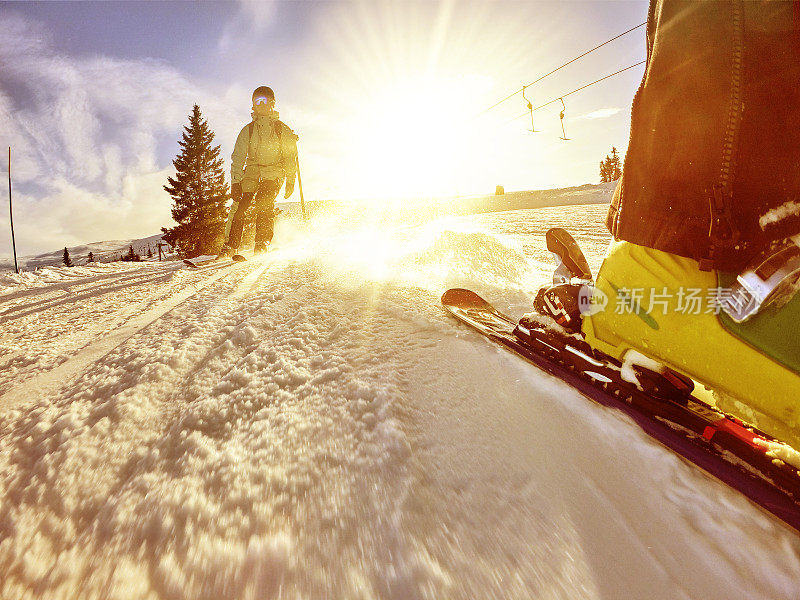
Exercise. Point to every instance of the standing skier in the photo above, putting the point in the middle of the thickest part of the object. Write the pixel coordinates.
(709, 192)
(264, 155)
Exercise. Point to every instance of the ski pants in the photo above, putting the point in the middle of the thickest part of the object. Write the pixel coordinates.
(264, 198)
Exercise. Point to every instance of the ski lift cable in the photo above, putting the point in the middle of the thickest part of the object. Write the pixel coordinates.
(561, 67)
(583, 87)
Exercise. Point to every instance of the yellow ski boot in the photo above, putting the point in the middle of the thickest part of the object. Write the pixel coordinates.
(664, 307)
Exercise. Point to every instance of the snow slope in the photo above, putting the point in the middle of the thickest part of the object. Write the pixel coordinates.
(102, 251)
(405, 210)
(310, 424)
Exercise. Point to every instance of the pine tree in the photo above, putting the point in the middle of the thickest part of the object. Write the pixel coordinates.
(131, 256)
(615, 165)
(67, 260)
(610, 167)
(198, 190)
(149, 252)
(606, 170)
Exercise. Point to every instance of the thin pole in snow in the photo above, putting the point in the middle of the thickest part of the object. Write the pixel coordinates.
(11, 213)
(300, 186)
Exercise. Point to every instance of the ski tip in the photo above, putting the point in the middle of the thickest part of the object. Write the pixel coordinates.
(462, 298)
(189, 263)
(238, 258)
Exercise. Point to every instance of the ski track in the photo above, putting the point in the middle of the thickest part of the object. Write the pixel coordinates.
(212, 360)
(311, 424)
(24, 341)
(42, 361)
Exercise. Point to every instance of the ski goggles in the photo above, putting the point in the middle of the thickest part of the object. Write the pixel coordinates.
(262, 100)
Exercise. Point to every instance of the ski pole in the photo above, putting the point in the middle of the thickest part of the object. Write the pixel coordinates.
(11, 214)
(300, 187)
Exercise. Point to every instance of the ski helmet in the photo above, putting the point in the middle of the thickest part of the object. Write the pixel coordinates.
(263, 95)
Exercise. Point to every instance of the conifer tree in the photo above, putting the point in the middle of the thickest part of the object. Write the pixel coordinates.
(131, 256)
(615, 165)
(91, 256)
(198, 190)
(610, 167)
(67, 260)
(604, 170)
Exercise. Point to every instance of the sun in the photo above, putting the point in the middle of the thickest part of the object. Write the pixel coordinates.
(409, 139)
(395, 99)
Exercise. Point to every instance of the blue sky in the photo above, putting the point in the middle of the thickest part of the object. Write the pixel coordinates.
(93, 98)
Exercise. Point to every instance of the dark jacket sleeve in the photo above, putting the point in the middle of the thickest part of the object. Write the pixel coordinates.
(713, 163)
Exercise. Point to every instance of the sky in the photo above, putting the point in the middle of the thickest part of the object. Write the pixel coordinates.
(388, 99)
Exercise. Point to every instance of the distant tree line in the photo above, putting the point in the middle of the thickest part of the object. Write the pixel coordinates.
(131, 256)
(610, 167)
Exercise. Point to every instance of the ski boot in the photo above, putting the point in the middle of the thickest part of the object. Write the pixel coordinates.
(571, 297)
(260, 248)
(664, 307)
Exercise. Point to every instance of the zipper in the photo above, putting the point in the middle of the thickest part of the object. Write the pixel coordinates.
(722, 232)
(735, 111)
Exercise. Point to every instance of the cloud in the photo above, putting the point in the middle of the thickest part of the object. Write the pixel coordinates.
(73, 215)
(85, 133)
(602, 113)
(260, 12)
(254, 16)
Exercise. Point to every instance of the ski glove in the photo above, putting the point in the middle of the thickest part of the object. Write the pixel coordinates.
(236, 191)
(289, 188)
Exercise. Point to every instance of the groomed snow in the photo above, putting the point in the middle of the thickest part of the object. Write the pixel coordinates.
(311, 424)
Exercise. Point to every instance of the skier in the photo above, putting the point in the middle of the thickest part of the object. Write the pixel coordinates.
(264, 155)
(710, 191)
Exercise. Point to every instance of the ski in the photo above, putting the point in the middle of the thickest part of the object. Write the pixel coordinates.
(720, 444)
(193, 265)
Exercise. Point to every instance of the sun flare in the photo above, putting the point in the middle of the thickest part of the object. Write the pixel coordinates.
(410, 139)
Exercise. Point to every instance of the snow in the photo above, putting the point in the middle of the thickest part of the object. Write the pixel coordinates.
(637, 359)
(310, 424)
(785, 210)
(105, 251)
(780, 451)
(46, 276)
